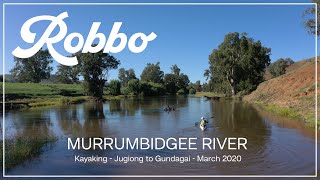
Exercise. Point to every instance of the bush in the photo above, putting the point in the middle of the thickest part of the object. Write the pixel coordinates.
(192, 91)
(181, 91)
(114, 87)
(279, 67)
(133, 86)
(152, 89)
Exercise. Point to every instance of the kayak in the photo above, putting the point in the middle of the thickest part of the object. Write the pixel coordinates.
(203, 127)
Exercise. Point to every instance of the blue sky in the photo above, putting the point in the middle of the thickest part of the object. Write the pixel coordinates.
(186, 34)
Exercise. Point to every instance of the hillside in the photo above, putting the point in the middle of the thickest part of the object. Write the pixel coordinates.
(294, 90)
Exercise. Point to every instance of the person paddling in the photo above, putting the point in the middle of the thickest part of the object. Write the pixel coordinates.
(203, 121)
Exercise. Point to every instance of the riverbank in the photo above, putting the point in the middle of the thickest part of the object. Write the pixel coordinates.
(291, 95)
(27, 95)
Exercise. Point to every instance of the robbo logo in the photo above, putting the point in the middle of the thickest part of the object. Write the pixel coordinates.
(86, 46)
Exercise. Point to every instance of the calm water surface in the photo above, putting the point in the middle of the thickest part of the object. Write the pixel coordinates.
(276, 145)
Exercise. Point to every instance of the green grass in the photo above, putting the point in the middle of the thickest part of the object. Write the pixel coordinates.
(209, 94)
(283, 111)
(38, 95)
(35, 90)
(308, 118)
(21, 148)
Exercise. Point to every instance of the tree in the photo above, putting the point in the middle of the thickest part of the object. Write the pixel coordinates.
(152, 73)
(238, 64)
(68, 74)
(279, 67)
(170, 82)
(152, 89)
(94, 69)
(192, 91)
(175, 70)
(310, 23)
(126, 75)
(183, 81)
(198, 86)
(134, 86)
(34, 68)
(176, 80)
(114, 87)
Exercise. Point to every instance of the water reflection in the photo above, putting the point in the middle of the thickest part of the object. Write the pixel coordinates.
(268, 144)
(29, 123)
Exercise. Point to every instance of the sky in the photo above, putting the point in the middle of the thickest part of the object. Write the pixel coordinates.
(186, 35)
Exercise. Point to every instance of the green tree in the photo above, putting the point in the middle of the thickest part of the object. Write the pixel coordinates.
(68, 74)
(152, 73)
(94, 69)
(310, 23)
(175, 70)
(134, 86)
(175, 81)
(170, 82)
(238, 64)
(183, 81)
(34, 68)
(152, 89)
(198, 86)
(114, 87)
(126, 75)
(192, 91)
(279, 67)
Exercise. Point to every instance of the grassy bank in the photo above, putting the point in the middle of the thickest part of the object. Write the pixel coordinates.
(209, 94)
(35, 90)
(19, 95)
(20, 148)
(307, 118)
(291, 94)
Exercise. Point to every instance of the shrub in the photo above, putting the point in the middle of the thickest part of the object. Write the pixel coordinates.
(152, 89)
(133, 86)
(279, 67)
(181, 91)
(114, 87)
(192, 91)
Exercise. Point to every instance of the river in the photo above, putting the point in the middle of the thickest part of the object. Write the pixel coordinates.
(276, 145)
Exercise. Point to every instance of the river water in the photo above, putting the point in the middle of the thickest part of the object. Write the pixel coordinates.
(276, 145)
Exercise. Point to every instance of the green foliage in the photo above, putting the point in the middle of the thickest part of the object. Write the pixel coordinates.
(192, 91)
(34, 68)
(114, 87)
(152, 73)
(238, 64)
(94, 69)
(175, 70)
(134, 86)
(310, 23)
(125, 76)
(23, 148)
(198, 86)
(152, 89)
(68, 74)
(181, 91)
(279, 67)
(176, 80)
(206, 87)
(170, 82)
(36, 90)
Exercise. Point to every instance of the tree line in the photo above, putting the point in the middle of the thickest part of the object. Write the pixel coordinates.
(94, 69)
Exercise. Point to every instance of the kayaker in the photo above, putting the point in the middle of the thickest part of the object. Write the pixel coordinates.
(203, 122)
